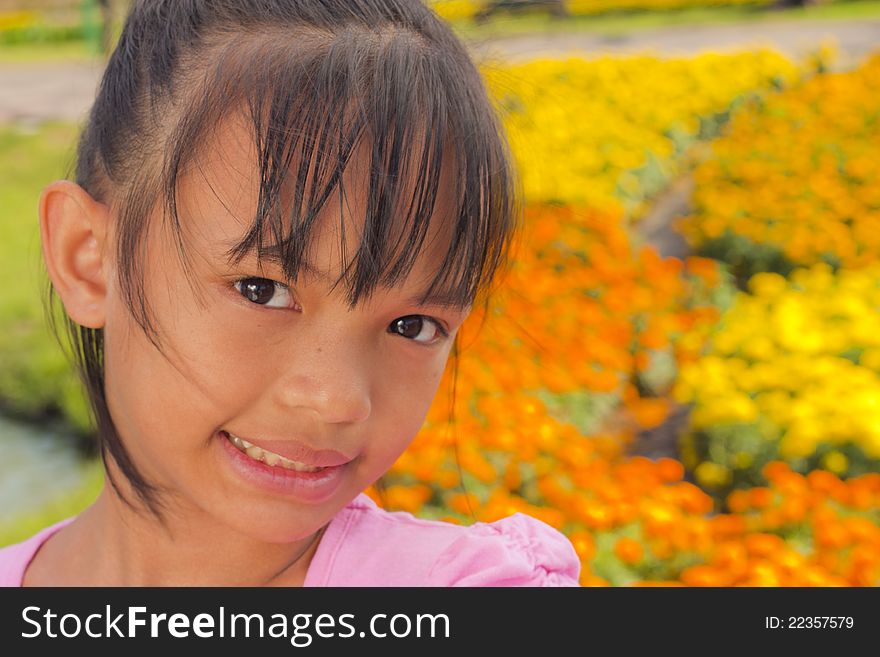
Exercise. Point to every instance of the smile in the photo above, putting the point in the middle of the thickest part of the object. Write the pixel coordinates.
(267, 457)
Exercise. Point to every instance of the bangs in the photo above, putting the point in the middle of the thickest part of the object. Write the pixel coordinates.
(314, 104)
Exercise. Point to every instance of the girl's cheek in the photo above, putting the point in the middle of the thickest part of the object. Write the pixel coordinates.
(403, 403)
(235, 361)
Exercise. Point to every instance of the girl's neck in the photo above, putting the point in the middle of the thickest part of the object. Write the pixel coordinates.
(109, 544)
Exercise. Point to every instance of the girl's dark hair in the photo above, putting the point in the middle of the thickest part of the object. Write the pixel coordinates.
(312, 78)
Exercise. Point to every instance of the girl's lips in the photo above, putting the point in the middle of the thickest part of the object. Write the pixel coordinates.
(310, 487)
(296, 451)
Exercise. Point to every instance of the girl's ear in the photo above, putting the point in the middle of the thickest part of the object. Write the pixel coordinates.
(73, 230)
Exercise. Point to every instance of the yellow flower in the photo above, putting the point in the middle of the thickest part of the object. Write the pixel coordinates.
(712, 475)
(836, 462)
(767, 284)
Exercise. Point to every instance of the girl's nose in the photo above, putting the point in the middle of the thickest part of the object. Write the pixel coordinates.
(328, 377)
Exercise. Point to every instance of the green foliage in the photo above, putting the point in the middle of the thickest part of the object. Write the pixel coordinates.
(42, 34)
(585, 409)
(745, 257)
(36, 377)
(623, 23)
(744, 449)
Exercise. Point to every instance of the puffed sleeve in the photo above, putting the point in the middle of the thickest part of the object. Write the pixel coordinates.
(515, 551)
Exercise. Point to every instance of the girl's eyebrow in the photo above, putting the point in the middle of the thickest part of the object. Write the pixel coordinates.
(272, 254)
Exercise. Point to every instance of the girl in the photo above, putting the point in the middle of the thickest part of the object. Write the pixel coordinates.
(283, 212)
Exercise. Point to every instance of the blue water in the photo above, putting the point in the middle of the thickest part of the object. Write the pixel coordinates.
(37, 466)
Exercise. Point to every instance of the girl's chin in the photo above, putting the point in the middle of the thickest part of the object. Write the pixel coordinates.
(267, 520)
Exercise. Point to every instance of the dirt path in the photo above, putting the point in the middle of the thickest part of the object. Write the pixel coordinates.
(37, 92)
(854, 38)
(33, 93)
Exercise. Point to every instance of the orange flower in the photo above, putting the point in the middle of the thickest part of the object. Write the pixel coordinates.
(862, 530)
(628, 550)
(763, 545)
(824, 482)
(649, 413)
(831, 535)
(407, 498)
(584, 544)
(728, 525)
(760, 497)
(657, 583)
(594, 515)
(793, 509)
(704, 268)
(738, 501)
(703, 576)
(463, 504)
(670, 469)
(775, 470)
(762, 573)
(589, 579)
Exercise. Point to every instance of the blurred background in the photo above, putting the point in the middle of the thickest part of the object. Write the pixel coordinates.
(681, 371)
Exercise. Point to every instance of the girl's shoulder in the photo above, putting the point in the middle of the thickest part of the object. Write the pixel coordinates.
(15, 558)
(366, 545)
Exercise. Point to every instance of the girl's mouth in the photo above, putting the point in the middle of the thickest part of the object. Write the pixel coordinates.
(267, 457)
(277, 474)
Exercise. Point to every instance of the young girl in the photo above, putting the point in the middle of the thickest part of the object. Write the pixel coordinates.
(283, 212)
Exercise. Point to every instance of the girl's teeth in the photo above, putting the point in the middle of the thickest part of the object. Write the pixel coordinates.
(269, 458)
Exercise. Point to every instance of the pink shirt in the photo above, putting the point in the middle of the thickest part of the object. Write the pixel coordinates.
(364, 545)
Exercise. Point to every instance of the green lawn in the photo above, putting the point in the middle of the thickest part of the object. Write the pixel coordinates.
(620, 23)
(26, 53)
(35, 375)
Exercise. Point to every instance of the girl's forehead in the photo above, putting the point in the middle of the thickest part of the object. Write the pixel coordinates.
(219, 201)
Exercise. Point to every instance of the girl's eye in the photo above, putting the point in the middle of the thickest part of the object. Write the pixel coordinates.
(262, 290)
(417, 328)
(413, 326)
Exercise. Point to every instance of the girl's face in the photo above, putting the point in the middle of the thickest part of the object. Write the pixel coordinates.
(290, 370)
